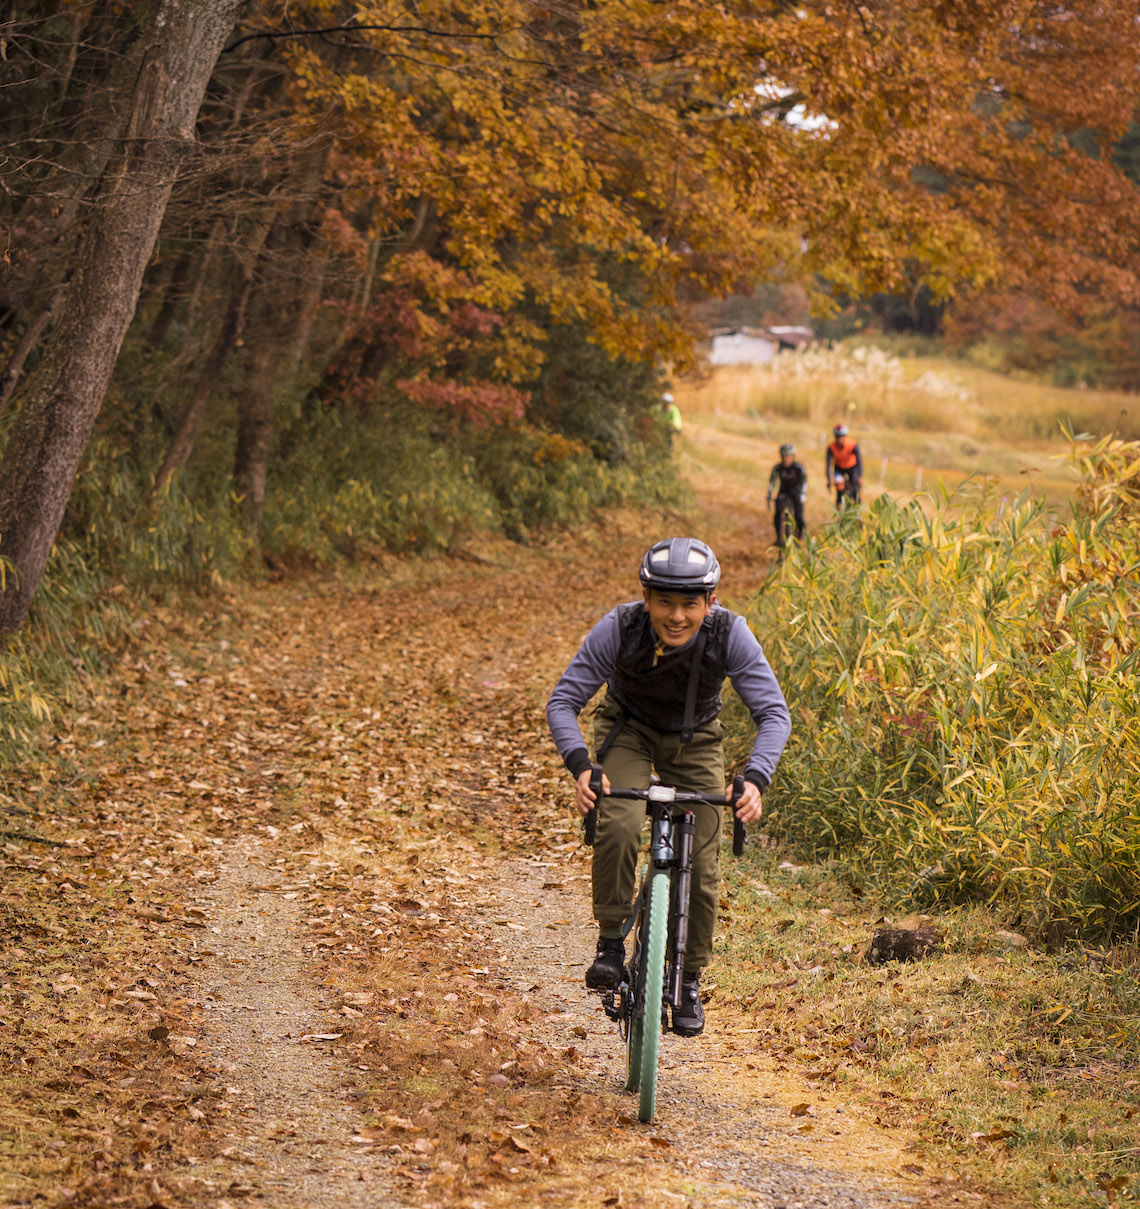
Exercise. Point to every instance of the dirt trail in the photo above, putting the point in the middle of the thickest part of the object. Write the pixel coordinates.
(368, 918)
(730, 1131)
(290, 1134)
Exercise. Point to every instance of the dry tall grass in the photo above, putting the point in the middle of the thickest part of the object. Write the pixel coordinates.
(875, 389)
(964, 682)
(919, 420)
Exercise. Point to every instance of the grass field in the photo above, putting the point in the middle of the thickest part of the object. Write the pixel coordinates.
(919, 420)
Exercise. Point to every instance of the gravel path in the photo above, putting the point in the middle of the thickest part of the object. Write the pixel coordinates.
(731, 1136)
(292, 1119)
(295, 1101)
(723, 1135)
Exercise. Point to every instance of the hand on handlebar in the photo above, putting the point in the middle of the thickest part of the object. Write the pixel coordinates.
(584, 796)
(749, 806)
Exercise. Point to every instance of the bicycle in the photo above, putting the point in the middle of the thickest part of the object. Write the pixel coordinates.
(785, 522)
(846, 491)
(660, 924)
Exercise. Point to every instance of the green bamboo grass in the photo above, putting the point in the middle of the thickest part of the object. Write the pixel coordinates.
(962, 677)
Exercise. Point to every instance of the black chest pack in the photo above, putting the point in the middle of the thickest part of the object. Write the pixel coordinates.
(670, 691)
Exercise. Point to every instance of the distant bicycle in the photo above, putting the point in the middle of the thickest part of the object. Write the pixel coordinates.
(846, 491)
(787, 528)
(660, 923)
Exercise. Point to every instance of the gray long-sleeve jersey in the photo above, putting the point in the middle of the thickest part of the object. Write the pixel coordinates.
(747, 669)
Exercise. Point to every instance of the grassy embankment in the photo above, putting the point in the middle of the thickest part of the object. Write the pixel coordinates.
(967, 743)
(340, 494)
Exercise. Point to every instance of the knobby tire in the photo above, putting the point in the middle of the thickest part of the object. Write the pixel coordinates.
(633, 1053)
(635, 1029)
(653, 981)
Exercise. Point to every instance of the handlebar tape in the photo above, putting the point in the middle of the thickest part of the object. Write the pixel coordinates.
(738, 833)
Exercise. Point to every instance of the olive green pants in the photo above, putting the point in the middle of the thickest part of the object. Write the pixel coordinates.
(697, 766)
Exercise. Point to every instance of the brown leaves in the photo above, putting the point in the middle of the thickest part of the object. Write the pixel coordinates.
(996, 1133)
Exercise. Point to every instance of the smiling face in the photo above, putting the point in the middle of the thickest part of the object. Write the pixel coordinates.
(676, 618)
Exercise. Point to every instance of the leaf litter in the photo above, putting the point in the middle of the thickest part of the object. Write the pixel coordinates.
(308, 924)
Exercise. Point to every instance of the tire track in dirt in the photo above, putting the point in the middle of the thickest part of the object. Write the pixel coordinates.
(291, 1118)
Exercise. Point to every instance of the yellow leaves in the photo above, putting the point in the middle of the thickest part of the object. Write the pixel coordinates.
(23, 705)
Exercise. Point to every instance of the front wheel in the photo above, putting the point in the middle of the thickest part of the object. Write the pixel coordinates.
(653, 984)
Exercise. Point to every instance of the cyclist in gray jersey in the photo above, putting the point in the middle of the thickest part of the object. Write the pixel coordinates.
(664, 660)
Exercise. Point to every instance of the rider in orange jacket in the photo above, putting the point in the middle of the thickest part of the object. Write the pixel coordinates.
(843, 457)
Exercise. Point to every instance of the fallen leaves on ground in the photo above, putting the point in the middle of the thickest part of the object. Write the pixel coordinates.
(389, 741)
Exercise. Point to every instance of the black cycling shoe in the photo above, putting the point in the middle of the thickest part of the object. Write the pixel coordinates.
(689, 1018)
(609, 965)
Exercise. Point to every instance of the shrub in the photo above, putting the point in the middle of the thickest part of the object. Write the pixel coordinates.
(540, 479)
(78, 617)
(341, 491)
(606, 403)
(962, 683)
(340, 488)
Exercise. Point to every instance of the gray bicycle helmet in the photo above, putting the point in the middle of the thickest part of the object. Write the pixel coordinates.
(680, 564)
(840, 430)
(787, 449)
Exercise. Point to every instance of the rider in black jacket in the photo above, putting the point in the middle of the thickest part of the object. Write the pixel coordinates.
(788, 484)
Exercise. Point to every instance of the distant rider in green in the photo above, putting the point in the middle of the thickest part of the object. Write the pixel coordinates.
(671, 414)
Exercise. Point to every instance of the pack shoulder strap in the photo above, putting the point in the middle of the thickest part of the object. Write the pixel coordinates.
(694, 686)
(611, 735)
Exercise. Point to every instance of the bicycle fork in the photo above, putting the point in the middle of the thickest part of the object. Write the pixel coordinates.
(682, 880)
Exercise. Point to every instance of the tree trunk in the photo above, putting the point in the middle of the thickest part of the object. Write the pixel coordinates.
(207, 265)
(255, 427)
(172, 296)
(72, 155)
(63, 395)
(308, 304)
(182, 444)
(280, 333)
(28, 340)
